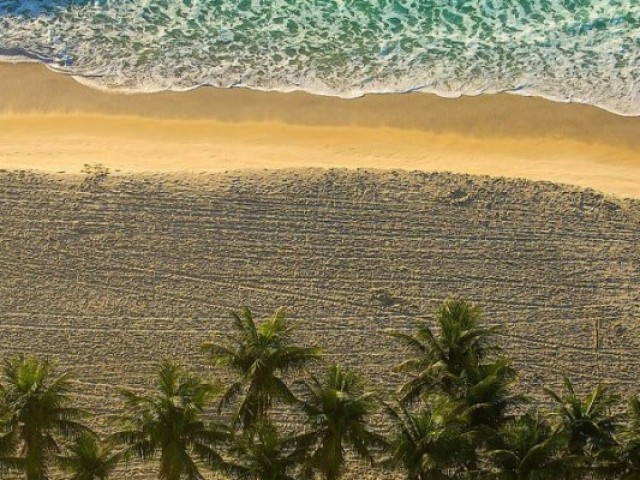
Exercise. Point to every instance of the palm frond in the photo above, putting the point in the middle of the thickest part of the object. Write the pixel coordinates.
(31, 385)
(174, 411)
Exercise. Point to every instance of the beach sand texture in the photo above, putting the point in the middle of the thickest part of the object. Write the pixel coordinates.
(50, 122)
(106, 275)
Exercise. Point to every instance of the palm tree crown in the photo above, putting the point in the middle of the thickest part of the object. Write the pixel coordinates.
(432, 442)
(36, 407)
(629, 452)
(527, 449)
(87, 459)
(258, 354)
(589, 428)
(440, 360)
(263, 453)
(170, 422)
(339, 410)
(489, 394)
(587, 422)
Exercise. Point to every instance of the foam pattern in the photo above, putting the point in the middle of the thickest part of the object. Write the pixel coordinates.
(585, 51)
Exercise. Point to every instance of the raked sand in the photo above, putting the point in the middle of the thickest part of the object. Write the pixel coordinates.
(108, 275)
(52, 123)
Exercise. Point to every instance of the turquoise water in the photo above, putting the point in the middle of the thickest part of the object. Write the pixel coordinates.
(569, 50)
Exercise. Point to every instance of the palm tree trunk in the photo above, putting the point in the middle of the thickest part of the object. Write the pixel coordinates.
(34, 471)
(34, 457)
(169, 467)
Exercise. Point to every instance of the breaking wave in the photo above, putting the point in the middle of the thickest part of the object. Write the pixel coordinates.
(585, 51)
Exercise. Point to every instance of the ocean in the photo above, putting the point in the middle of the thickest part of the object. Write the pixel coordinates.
(585, 51)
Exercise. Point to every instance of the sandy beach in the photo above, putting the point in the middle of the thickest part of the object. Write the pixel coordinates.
(258, 240)
(215, 200)
(52, 123)
(107, 275)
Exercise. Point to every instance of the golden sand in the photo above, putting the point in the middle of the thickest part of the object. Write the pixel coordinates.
(52, 123)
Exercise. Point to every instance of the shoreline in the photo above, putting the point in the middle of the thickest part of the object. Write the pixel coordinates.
(50, 122)
(24, 58)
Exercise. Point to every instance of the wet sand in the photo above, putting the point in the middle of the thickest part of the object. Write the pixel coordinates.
(50, 122)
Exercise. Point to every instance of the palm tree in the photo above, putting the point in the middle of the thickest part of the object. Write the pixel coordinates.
(527, 449)
(432, 442)
(489, 394)
(441, 360)
(88, 459)
(263, 453)
(36, 406)
(588, 425)
(170, 422)
(629, 450)
(7, 448)
(339, 410)
(258, 355)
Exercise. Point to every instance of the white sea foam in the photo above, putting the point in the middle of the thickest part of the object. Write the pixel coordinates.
(564, 50)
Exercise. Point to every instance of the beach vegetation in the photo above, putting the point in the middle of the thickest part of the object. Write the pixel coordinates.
(589, 427)
(265, 453)
(260, 356)
(170, 426)
(282, 413)
(528, 448)
(629, 438)
(87, 458)
(432, 441)
(37, 415)
(339, 411)
(443, 360)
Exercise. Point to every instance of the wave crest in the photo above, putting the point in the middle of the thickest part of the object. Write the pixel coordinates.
(586, 51)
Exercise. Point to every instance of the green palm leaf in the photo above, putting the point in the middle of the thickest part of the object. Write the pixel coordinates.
(628, 452)
(440, 361)
(589, 426)
(263, 453)
(432, 442)
(170, 424)
(258, 355)
(37, 414)
(339, 412)
(527, 448)
(88, 459)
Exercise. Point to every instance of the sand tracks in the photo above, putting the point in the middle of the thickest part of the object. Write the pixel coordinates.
(109, 277)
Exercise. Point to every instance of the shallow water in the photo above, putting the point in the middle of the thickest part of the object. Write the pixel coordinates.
(569, 50)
